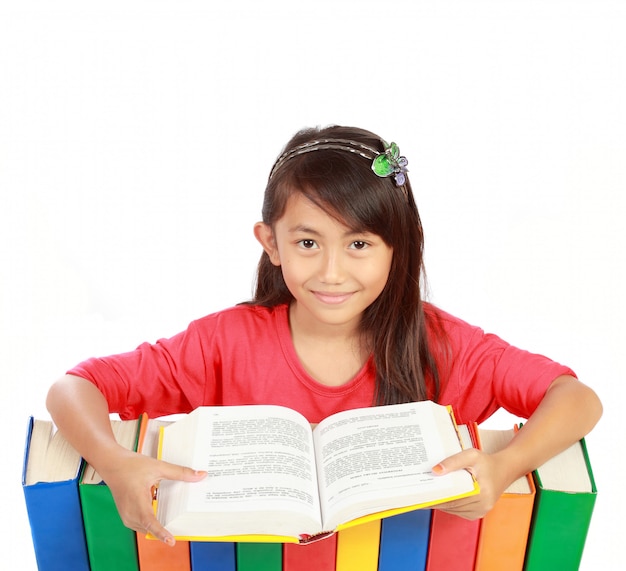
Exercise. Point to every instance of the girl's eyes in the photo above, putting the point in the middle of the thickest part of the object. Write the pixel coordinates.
(309, 244)
(359, 245)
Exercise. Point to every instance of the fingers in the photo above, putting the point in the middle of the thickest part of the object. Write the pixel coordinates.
(154, 528)
(139, 516)
(169, 472)
(133, 484)
(182, 473)
(461, 461)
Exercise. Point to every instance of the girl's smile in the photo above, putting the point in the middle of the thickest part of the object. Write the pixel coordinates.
(332, 298)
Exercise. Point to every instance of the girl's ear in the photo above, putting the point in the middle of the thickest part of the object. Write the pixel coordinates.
(265, 235)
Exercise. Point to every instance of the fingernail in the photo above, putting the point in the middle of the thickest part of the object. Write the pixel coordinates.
(438, 469)
(169, 541)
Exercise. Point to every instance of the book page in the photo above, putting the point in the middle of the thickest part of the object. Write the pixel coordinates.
(567, 471)
(381, 458)
(258, 458)
(36, 468)
(51, 458)
(465, 437)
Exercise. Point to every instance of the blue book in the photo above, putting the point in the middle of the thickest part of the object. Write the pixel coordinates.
(52, 500)
(212, 556)
(404, 541)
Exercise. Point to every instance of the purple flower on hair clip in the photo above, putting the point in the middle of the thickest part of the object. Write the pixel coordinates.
(391, 163)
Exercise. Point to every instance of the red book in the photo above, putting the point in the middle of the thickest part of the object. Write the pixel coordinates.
(315, 556)
(454, 540)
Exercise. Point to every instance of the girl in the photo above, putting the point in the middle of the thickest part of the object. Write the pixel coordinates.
(337, 322)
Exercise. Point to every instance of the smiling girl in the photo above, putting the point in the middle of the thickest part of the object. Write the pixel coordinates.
(337, 322)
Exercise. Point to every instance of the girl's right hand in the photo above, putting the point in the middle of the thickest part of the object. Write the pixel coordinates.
(132, 478)
(81, 413)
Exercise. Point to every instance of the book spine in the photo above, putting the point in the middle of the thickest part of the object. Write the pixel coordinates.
(504, 534)
(154, 555)
(316, 556)
(259, 556)
(110, 543)
(56, 526)
(212, 556)
(358, 547)
(559, 530)
(452, 544)
(404, 541)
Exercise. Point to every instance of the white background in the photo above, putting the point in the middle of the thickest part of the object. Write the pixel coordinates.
(136, 138)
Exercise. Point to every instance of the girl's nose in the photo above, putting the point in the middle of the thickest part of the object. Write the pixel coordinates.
(331, 271)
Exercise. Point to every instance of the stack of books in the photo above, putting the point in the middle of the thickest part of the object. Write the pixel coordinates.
(540, 522)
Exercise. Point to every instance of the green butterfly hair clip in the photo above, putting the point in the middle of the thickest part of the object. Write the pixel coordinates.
(391, 163)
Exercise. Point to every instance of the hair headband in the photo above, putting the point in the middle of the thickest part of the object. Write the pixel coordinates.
(384, 164)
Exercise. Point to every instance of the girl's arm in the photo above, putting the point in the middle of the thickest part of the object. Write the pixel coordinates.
(81, 413)
(567, 412)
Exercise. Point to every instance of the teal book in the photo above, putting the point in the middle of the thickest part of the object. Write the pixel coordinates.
(111, 545)
(50, 484)
(564, 503)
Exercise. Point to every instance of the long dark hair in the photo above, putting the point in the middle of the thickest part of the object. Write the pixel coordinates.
(343, 185)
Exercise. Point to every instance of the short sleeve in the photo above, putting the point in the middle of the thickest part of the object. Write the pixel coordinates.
(485, 373)
(169, 376)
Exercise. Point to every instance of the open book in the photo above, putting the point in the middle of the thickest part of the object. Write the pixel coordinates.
(270, 475)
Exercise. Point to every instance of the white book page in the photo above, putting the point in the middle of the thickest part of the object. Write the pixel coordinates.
(258, 459)
(382, 457)
(566, 471)
(465, 437)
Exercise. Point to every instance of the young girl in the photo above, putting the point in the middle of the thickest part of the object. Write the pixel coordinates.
(337, 322)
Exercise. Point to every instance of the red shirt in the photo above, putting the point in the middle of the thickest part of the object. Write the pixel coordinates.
(245, 355)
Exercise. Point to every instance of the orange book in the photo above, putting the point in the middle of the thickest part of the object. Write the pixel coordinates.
(154, 555)
(504, 530)
(357, 547)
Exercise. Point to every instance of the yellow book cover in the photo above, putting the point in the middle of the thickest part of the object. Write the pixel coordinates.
(358, 548)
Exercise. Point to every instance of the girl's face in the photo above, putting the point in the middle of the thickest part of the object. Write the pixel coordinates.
(333, 273)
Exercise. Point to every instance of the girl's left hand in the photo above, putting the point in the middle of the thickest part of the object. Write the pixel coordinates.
(491, 479)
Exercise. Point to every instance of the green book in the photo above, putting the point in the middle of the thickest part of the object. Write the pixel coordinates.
(564, 502)
(259, 556)
(110, 544)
